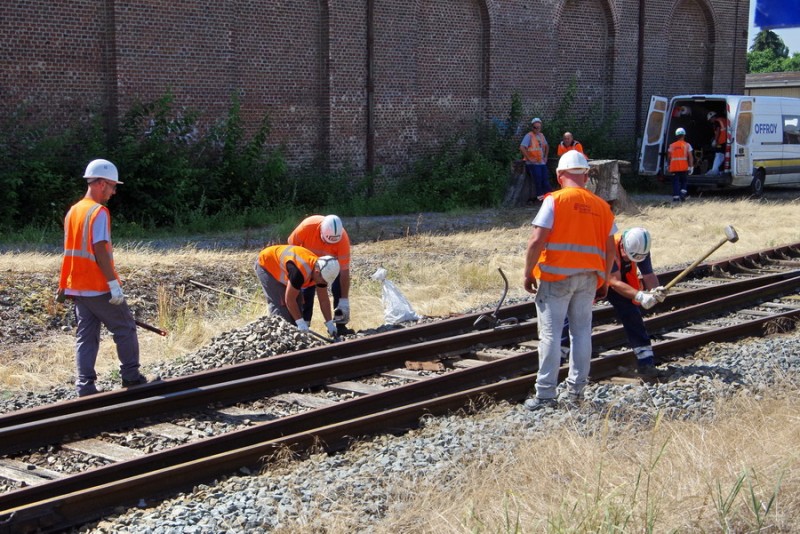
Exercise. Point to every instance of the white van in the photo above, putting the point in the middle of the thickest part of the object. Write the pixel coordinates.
(763, 146)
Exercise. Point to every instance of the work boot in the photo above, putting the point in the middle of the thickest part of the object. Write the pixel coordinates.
(141, 379)
(647, 371)
(535, 403)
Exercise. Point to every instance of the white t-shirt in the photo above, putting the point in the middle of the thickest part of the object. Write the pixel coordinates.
(544, 217)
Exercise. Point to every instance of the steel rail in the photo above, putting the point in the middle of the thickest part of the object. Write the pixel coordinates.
(45, 509)
(402, 337)
(39, 432)
(358, 346)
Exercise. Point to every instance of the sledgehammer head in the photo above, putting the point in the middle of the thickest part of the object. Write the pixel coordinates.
(731, 234)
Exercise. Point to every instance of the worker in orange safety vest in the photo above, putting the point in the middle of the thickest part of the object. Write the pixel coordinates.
(89, 278)
(680, 159)
(567, 265)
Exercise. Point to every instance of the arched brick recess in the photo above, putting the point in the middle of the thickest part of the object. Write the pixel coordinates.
(586, 38)
(689, 33)
(451, 65)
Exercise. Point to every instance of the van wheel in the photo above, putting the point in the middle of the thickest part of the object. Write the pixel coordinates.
(757, 185)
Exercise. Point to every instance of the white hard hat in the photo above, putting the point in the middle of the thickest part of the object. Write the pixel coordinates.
(330, 229)
(574, 162)
(711, 115)
(535, 120)
(636, 243)
(685, 111)
(680, 131)
(328, 268)
(102, 168)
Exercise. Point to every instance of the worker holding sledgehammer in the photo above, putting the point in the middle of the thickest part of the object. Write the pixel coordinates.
(285, 270)
(627, 296)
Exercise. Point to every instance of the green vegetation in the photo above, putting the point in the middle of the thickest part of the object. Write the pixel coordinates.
(770, 54)
(180, 177)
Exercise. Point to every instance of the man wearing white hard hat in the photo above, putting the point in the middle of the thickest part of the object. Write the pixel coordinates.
(326, 236)
(567, 265)
(680, 159)
(89, 278)
(285, 270)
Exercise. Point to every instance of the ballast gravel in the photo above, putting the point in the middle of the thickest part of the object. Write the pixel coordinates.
(303, 495)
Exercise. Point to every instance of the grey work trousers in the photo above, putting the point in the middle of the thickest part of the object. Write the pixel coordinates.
(276, 294)
(572, 298)
(90, 314)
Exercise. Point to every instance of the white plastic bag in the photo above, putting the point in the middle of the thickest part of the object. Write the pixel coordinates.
(396, 308)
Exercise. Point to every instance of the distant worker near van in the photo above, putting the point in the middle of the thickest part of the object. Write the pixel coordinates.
(569, 143)
(284, 271)
(680, 159)
(326, 236)
(719, 141)
(534, 149)
(89, 278)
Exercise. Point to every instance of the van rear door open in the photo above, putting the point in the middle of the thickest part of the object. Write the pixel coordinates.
(742, 159)
(650, 159)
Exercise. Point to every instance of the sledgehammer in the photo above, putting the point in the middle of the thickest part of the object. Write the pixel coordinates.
(730, 235)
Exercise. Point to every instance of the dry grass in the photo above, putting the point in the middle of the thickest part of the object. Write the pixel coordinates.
(672, 477)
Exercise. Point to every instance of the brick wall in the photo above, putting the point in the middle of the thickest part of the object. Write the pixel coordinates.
(330, 73)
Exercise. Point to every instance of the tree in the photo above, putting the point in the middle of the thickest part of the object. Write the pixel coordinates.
(769, 40)
(770, 54)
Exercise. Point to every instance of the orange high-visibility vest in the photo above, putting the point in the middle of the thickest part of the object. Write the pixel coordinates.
(307, 235)
(629, 272)
(679, 156)
(535, 151)
(574, 146)
(274, 259)
(582, 222)
(721, 125)
(79, 268)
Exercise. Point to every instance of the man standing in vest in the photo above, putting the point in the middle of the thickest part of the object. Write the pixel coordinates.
(325, 236)
(534, 149)
(569, 143)
(285, 271)
(680, 160)
(719, 141)
(567, 265)
(89, 278)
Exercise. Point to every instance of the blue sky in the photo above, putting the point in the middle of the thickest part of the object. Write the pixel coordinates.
(791, 36)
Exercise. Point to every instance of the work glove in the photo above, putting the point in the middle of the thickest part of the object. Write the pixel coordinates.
(645, 300)
(331, 326)
(302, 325)
(660, 293)
(342, 312)
(117, 296)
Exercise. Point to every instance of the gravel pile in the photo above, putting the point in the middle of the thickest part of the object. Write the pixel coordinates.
(295, 496)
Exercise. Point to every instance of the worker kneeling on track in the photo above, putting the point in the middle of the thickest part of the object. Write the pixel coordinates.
(626, 295)
(326, 236)
(285, 271)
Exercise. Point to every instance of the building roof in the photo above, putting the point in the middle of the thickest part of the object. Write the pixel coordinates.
(772, 79)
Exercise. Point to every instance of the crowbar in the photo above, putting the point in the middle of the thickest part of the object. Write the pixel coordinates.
(198, 284)
(730, 235)
(492, 318)
(151, 328)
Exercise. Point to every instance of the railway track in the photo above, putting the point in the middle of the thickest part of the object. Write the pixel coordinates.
(326, 397)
